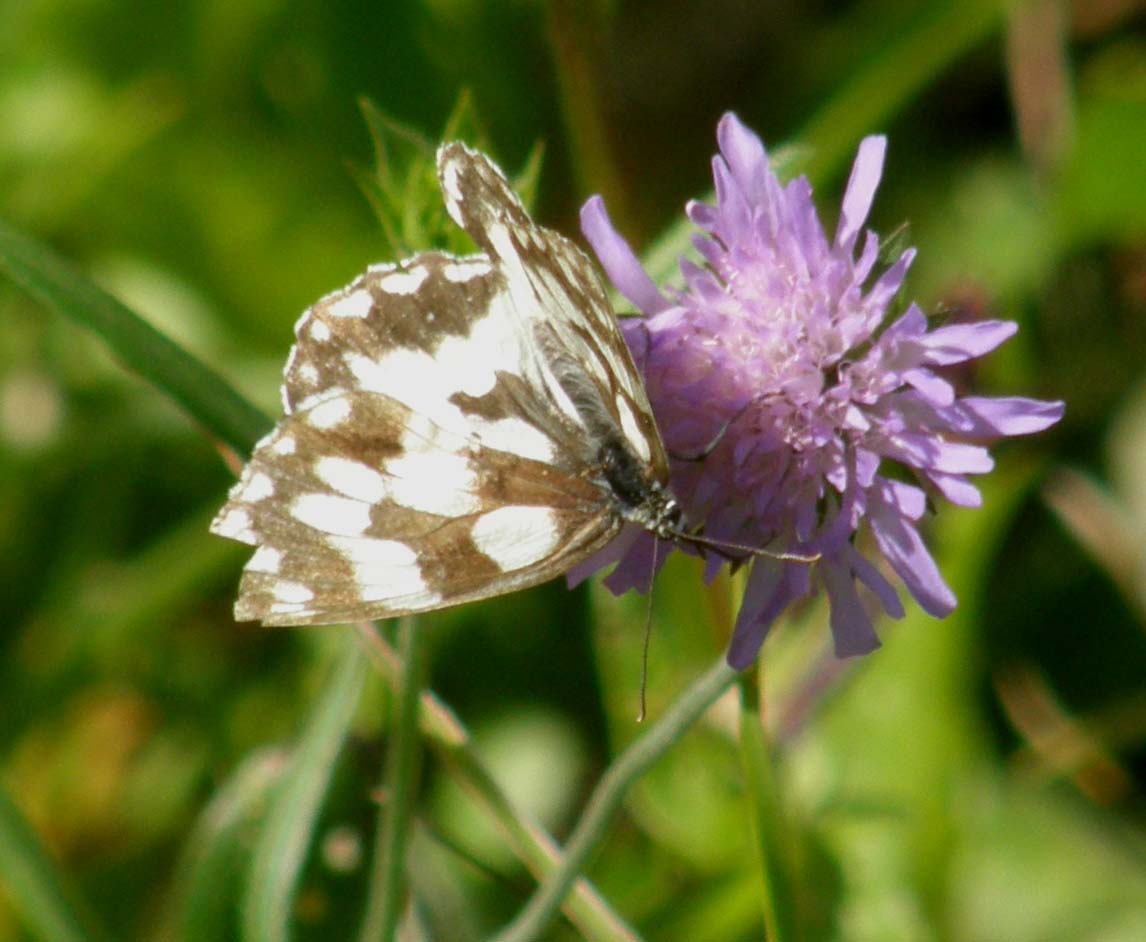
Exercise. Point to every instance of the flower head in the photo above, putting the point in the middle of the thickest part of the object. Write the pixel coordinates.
(791, 408)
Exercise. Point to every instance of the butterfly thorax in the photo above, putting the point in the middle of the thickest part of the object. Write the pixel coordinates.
(641, 499)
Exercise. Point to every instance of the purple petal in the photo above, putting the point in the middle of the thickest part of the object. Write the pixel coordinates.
(958, 342)
(860, 192)
(933, 388)
(867, 464)
(609, 554)
(1009, 415)
(635, 570)
(866, 261)
(852, 631)
(810, 242)
(635, 330)
(956, 489)
(772, 586)
(907, 499)
(617, 258)
(931, 452)
(745, 155)
(911, 324)
(879, 586)
(702, 215)
(735, 216)
(764, 598)
(888, 284)
(903, 548)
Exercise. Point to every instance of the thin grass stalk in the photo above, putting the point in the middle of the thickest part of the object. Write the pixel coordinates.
(533, 846)
(591, 830)
(386, 899)
(766, 811)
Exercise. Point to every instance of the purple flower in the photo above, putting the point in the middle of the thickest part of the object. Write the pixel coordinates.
(777, 350)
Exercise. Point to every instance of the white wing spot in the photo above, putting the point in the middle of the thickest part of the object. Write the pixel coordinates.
(234, 524)
(266, 559)
(404, 282)
(257, 487)
(434, 482)
(351, 478)
(517, 437)
(449, 180)
(338, 515)
(308, 373)
(319, 331)
(329, 413)
(370, 551)
(356, 304)
(632, 430)
(385, 570)
(514, 537)
(464, 271)
(284, 446)
(293, 593)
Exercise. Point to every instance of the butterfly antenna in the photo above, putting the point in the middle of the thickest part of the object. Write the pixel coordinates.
(648, 633)
(719, 545)
(719, 436)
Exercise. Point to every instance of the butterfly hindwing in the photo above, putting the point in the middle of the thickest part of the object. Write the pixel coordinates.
(408, 518)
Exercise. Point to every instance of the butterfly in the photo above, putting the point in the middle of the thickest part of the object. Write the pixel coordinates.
(456, 427)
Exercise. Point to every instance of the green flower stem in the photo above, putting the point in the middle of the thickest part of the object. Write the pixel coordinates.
(606, 799)
(453, 747)
(385, 903)
(774, 850)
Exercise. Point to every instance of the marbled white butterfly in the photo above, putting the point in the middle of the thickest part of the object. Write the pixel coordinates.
(455, 428)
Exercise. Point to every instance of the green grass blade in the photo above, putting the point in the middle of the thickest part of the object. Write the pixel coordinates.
(454, 748)
(534, 919)
(33, 883)
(203, 908)
(136, 344)
(898, 69)
(282, 846)
(386, 898)
(770, 828)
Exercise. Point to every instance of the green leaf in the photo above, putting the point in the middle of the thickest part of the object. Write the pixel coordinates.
(33, 883)
(281, 849)
(138, 345)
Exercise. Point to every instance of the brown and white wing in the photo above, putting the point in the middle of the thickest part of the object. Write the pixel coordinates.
(555, 292)
(444, 421)
(361, 508)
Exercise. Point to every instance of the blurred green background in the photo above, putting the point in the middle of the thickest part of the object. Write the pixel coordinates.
(978, 778)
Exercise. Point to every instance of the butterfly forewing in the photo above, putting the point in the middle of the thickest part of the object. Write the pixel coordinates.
(446, 422)
(555, 290)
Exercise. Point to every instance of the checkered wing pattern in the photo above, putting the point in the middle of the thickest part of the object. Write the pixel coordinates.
(455, 428)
